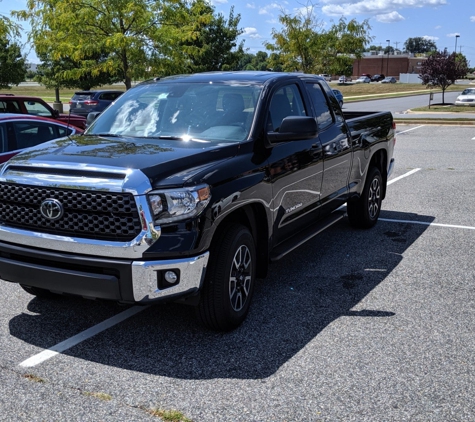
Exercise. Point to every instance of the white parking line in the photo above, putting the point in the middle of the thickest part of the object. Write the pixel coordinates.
(78, 338)
(452, 226)
(403, 176)
(408, 130)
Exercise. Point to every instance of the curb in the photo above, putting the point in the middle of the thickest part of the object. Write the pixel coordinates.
(449, 122)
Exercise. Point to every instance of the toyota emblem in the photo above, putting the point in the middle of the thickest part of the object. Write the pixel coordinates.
(51, 209)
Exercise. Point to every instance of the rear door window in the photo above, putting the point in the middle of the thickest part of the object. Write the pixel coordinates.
(29, 134)
(37, 109)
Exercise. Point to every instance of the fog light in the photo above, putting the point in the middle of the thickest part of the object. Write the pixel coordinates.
(171, 277)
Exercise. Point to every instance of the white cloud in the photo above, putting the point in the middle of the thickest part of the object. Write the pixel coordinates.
(472, 18)
(374, 7)
(251, 32)
(215, 2)
(251, 5)
(453, 35)
(389, 17)
(267, 10)
(430, 38)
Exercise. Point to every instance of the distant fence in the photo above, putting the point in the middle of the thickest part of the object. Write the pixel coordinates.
(409, 78)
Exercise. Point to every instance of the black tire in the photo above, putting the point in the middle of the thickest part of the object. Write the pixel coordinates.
(230, 277)
(364, 212)
(38, 292)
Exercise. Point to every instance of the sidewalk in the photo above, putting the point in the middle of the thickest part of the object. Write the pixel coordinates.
(435, 117)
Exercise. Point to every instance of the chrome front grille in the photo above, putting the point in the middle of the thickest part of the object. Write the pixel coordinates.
(87, 214)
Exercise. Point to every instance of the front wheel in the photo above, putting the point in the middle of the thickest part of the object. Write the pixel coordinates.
(364, 212)
(230, 277)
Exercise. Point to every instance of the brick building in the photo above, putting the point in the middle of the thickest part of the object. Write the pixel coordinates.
(389, 65)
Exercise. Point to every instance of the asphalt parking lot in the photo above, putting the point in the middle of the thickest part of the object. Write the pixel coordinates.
(354, 326)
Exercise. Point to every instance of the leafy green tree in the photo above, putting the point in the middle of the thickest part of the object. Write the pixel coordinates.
(304, 45)
(258, 61)
(442, 69)
(208, 41)
(123, 30)
(67, 73)
(297, 43)
(420, 45)
(12, 64)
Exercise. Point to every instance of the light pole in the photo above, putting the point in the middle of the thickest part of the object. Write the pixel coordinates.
(456, 42)
(387, 64)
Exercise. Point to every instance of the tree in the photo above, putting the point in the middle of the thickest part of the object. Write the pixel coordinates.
(442, 69)
(206, 41)
(12, 64)
(296, 42)
(68, 73)
(420, 45)
(304, 45)
(123, 30)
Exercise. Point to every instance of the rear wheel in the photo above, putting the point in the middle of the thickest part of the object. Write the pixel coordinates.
(364, 212)
(230, 277)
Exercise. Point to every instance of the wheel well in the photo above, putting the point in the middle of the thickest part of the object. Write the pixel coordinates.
(254, 217)
(380, 161)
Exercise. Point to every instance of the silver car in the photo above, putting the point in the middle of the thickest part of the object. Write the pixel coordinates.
(466, 98)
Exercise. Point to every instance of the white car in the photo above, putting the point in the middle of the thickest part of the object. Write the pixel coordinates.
(363, 79)
(466, 98)
(328, 78)
(344, 79)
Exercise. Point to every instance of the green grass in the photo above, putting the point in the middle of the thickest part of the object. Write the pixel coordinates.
(358, 92)
(169, 415)
(351, 92)
(48, 94)
(447, 108)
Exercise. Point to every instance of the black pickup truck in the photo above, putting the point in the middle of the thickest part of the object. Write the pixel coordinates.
(188, 187)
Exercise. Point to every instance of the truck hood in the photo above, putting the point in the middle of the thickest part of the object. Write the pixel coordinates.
(176, 161)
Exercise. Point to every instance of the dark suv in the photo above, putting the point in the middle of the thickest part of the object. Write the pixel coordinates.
(377, 78)
(83, 102)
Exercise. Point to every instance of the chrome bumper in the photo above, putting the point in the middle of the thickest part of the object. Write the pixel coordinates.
(144, 277)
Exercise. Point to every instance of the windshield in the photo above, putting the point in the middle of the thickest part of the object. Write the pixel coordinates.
(468, 91)
(171, 110)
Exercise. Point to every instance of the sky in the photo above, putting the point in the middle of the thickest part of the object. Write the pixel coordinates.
(393, 20)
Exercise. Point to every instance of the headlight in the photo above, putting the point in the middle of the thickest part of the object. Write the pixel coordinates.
(178, 204)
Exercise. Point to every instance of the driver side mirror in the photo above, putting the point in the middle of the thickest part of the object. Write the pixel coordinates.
(294, 128)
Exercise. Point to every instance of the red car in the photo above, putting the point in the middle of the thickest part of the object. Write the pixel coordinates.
(35, 106)
(20, 131)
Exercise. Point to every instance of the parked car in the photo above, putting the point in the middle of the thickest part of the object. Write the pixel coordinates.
(35, 106)
(466, 98)
(344, 79)
(389, 80)
(84, 102)
(339, 96)
(20, 131)
(363, 79)
(325, 76)
(377, 78)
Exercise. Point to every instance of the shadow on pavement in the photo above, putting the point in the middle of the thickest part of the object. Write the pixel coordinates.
(303, 293)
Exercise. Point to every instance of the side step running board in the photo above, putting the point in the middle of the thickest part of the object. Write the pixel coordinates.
(307, 234)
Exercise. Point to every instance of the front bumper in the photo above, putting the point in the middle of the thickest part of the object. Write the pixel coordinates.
(121, 280)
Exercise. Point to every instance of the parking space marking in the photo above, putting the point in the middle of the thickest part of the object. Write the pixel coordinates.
(78, 338)
(408, 130)
(451, 226)
(402, 176)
